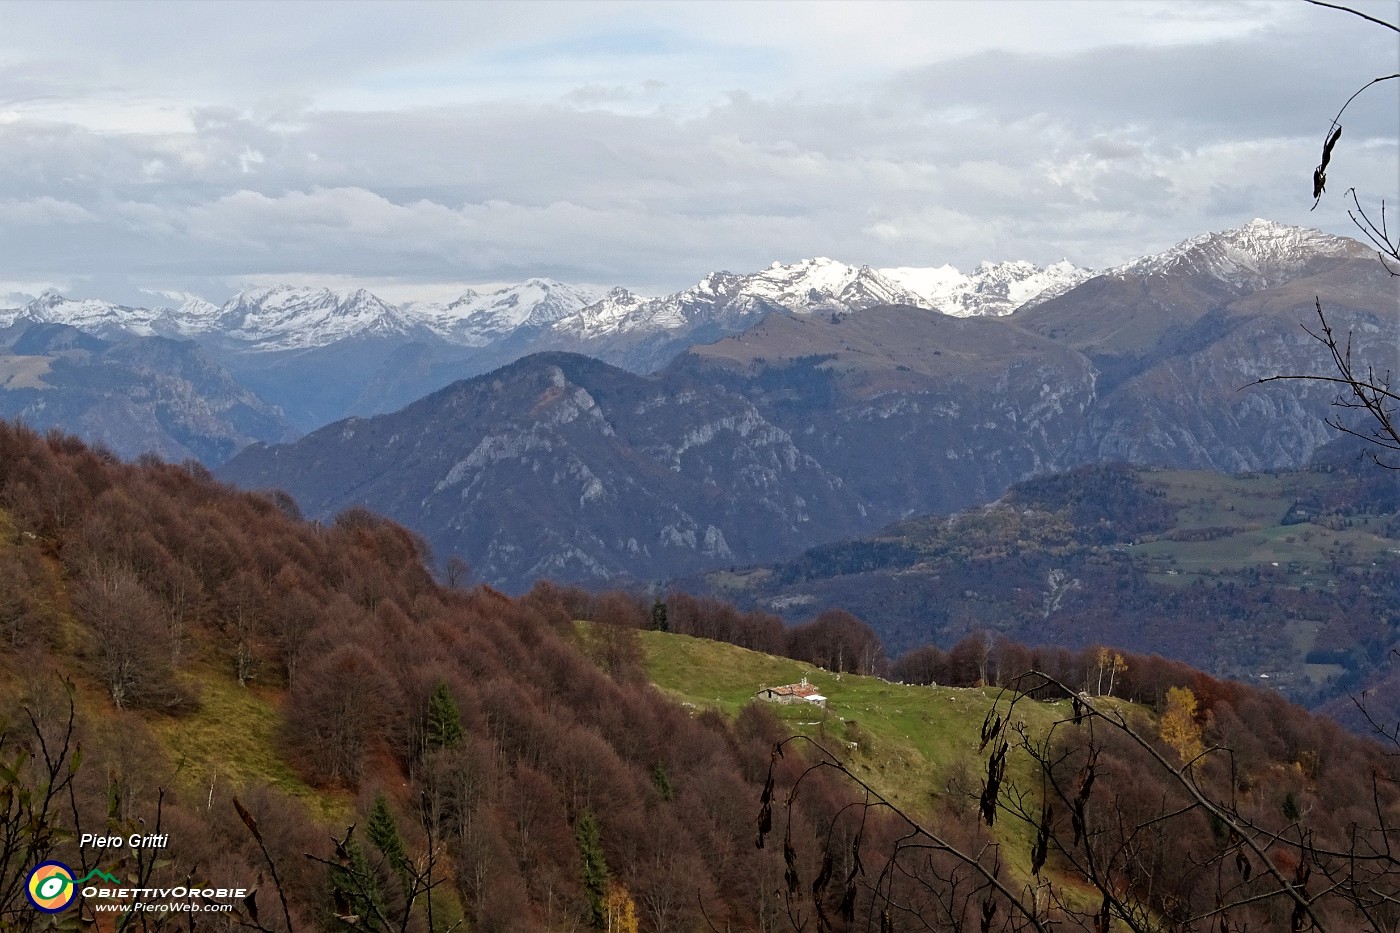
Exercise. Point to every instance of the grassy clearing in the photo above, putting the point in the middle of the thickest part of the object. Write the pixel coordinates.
(741, 579)
(915, 745)
(1211, 500)
(24, 372)
(232, 740)
(1304, 549)
(1248, 511)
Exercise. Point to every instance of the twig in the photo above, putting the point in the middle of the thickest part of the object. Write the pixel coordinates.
(1347, 9)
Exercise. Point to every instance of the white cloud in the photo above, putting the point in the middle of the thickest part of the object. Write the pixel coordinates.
(43, 212)
(195, 147)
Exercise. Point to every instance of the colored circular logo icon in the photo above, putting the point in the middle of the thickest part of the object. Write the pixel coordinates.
(50, 887)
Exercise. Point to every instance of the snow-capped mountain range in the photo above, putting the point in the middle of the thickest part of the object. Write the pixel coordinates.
(285, 317)
(320, 354)
(311, 356)
(291, 317)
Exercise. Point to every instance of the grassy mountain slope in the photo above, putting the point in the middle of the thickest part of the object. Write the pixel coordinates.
(909, 741)
(925, 749)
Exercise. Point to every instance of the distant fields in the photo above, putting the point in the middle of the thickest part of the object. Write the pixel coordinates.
(1248, 511)
(1291, 577)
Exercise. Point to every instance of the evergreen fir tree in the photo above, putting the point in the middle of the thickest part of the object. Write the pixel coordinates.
(355, 891)
(595, 868)
(658, 617)
(661, 781)
(383, 832)
(444, 725)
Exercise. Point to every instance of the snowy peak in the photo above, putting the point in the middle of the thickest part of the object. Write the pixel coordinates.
(476, 319)
(195, 316)
(617, 311)
(993, 289)
(733, 302)
(1261, 254)
(283, 317)
(823, 284)
(101, 318)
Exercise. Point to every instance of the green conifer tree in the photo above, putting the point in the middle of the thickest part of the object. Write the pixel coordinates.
(595, 868)
(662, 781)
(359, 904)
(444, 725)
(383, 832)
(658, 617)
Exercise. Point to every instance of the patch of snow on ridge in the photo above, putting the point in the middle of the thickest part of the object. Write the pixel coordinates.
(993, 288)
(289, 317)
(477, 319)
(1261, 253)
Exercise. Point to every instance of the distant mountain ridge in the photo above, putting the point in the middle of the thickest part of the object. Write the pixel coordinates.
(285, 317)
(877, 414)
(320, 355)
(132, 394)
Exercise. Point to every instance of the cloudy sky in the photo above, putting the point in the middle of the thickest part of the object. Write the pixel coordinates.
(161, 149)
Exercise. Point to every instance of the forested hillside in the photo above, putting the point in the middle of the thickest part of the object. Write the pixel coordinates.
(531, 784)
(301, 711)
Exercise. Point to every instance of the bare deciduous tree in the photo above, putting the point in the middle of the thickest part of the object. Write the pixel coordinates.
(1361, 387)
(127, 622)
(1121, 835)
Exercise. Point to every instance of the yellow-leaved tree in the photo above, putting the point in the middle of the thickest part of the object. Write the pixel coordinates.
(620, 910)
(1178, 724)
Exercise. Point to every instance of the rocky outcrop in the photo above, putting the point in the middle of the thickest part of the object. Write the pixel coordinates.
(561, 466)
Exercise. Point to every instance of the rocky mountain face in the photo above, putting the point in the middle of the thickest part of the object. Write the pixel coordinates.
(805, 426)
(562, 466)
(1177, 340)
(565, 467)
(915, 411)
(132, 394)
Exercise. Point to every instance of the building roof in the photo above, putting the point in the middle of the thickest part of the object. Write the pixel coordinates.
(803, 691)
